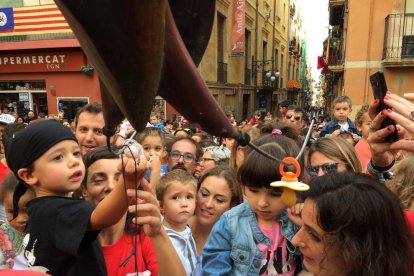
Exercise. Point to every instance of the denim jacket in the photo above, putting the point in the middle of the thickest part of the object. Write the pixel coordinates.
(231, 248)
(333, 125)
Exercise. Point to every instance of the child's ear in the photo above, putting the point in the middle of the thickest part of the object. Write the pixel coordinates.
(27, 176)
(359, 127)
(160, 204)
(84, 192)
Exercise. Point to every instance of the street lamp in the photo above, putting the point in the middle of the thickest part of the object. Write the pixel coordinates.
(272, 75)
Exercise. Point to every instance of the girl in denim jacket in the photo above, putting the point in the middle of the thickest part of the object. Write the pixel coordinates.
(254, 238)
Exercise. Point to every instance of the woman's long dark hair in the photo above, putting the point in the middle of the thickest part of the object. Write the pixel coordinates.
(366, 220)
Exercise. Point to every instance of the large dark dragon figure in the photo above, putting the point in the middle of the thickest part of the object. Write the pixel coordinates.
(144, 48)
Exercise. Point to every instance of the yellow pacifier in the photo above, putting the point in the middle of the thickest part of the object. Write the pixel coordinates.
(289, 182)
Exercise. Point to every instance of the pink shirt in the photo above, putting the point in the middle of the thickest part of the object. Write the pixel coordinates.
(275, 259)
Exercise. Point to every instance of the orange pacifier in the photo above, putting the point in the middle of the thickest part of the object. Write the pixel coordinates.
(289, 182)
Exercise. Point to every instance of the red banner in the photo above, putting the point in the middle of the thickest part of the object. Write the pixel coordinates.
(238, 29)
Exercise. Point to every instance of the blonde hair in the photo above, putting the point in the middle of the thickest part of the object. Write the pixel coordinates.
(359, 117)
(176, 175)
(403, 183)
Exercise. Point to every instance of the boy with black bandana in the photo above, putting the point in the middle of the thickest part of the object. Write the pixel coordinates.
(62, 231)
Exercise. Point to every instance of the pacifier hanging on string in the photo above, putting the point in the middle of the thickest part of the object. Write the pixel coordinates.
(289, 181)
(131, 148)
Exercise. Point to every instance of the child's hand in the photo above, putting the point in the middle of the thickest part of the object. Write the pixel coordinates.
(155, 166)
(145, 209)
(133, 171)
(155, 163)
(355, 137)
(335, 133)
(294, 213)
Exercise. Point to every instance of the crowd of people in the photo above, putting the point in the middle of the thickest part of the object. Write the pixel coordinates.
(195, 204)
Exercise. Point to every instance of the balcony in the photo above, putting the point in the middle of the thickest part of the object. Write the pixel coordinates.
(221, 72)
(335, 61)
(292, 44)
(336, 12)
(398, 50)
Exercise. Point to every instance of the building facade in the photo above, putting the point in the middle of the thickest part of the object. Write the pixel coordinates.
(367, 36)
(44, 69)
(268, 70)
(42, 66)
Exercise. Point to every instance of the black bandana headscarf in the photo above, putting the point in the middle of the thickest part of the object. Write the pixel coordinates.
(29, 144)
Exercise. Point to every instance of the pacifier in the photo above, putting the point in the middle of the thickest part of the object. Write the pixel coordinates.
(133, 149)
(289, 182)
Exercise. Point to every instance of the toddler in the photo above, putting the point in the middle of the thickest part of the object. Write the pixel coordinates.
(61, 235)
(342, 107)
(176, 192)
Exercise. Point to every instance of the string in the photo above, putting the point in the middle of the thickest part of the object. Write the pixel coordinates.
(120, 152)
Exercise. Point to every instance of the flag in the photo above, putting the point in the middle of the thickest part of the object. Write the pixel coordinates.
(37, 20)
(6, 19)
(321, 63)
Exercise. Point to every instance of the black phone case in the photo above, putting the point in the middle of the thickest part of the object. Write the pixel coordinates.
(379, 88)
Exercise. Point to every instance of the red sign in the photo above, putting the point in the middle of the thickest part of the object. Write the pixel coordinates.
(238, 29)
(41, 62)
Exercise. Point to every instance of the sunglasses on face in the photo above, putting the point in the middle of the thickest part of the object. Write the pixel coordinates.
(297, 118)
(327, 168)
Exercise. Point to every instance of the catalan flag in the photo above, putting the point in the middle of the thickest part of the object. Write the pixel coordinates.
(37, 20)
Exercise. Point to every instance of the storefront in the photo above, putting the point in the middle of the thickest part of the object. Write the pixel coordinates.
(46, 80)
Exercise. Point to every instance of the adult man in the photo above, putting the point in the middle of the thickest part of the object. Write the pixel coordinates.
(184, 155)
(89, 122)
(30, 116)
(294, 117)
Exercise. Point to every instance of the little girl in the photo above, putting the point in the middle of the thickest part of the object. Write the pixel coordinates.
(62, 231)
(13, 231)
(253, 238)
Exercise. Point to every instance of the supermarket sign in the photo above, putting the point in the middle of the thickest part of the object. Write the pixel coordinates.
(41, 62)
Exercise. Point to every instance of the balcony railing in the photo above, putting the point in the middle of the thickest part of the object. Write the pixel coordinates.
(247, 76)
(335, 58)
(399, 37)
(221, 72)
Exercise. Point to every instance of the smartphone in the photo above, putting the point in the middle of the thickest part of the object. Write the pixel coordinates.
(379, 88)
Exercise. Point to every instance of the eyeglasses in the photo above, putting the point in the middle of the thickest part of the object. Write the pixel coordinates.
(187, 157)
(327, 168)
(203, 159)
(297, 118)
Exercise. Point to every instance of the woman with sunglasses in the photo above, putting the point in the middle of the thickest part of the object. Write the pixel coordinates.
(329, 155)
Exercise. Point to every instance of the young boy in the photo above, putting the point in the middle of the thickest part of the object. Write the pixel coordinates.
(342, 107)
(176, 192)
(62, 231)
(154, 120)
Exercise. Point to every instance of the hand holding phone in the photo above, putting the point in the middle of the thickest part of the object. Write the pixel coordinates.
(379, 88)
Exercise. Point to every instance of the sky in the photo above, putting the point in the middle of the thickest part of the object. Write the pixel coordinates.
(316, 22)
